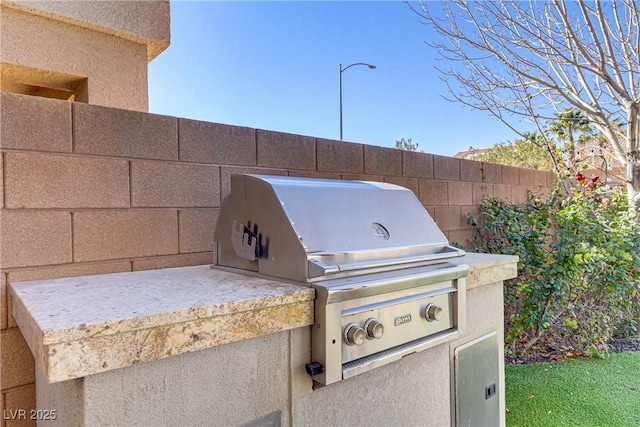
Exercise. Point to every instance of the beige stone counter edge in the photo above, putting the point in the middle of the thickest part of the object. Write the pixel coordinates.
(230, 302)
(216, 308)
(485, 269)
(76, 358)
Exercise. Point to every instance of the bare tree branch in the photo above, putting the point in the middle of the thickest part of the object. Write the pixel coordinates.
(532, 60)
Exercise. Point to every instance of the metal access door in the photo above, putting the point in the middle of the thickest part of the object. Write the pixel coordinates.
(475, 384)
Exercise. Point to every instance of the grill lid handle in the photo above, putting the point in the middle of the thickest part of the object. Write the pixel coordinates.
(318, 268)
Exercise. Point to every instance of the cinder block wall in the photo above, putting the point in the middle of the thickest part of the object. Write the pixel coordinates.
(91, 190)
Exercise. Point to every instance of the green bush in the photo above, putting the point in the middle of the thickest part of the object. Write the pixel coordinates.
(579, 268)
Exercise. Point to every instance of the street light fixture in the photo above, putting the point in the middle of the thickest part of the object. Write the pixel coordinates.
(342, 70)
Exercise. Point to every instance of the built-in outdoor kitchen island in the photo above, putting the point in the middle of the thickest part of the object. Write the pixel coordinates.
(214, 346)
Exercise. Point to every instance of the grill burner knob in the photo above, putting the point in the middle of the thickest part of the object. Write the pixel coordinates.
(354, 334)
(374, 329)
(432, 313)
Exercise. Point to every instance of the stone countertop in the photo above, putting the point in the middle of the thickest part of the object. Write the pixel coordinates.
(80, 326)
(485, 269)
(84, 325)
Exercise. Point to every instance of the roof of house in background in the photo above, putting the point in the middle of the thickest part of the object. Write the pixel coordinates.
(470, 154)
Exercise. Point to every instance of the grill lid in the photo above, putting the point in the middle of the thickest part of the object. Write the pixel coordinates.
(306, 229)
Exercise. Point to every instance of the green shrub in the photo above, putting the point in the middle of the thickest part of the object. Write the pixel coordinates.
(579, 267)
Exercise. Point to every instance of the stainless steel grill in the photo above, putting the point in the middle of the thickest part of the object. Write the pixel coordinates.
(377, 261)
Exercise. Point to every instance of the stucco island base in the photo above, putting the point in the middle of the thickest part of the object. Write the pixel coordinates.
(236, 383)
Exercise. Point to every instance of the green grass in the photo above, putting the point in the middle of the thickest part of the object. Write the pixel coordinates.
(584, 393)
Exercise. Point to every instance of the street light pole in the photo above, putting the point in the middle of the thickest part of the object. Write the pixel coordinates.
(342, 70)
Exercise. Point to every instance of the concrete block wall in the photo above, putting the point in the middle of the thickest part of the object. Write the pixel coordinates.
(90, 190)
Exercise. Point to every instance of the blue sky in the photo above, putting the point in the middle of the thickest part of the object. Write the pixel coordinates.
(275, 65)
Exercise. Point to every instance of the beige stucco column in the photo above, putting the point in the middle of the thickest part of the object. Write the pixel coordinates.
(87, 51)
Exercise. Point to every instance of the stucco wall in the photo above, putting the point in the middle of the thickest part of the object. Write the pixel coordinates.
(98, 49)
(88, 190)
(220, 386)
(144, 22)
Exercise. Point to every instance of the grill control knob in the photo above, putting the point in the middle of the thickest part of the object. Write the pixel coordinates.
(354, 334)
(374, 329)
(432, 313)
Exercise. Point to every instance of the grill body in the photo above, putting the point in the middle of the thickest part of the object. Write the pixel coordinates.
(374, 256)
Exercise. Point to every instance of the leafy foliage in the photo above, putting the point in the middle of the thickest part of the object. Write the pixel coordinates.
(406, 145)
(521, 153)
(564, 128)
(579, 267)
(552, 149)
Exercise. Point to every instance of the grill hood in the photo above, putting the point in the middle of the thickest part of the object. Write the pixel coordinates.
(306, 230)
